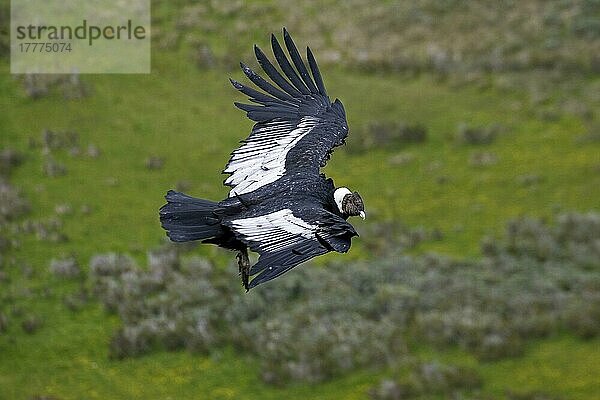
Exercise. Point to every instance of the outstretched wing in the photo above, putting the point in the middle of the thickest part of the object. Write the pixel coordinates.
(285, 240)
(297, 126)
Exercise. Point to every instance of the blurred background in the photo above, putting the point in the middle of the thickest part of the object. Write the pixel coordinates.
(474, 141)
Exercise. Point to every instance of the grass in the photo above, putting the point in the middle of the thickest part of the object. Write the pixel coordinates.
(564, 366)
(185, 115)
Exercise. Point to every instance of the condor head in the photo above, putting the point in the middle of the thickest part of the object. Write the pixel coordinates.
(348, 203)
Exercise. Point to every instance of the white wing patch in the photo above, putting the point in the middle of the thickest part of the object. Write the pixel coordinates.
(275, 231)
(261, 159)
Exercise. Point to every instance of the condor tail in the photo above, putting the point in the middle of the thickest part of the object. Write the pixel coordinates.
(187, 218)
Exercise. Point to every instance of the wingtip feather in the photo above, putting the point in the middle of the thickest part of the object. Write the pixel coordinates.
(299, 63)
(236, 84)
(314, 68)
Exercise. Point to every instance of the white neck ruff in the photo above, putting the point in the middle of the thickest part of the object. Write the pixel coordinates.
(339, 195)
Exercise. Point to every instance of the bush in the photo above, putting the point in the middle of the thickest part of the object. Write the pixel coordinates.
(583, 316)
(528, 180)
(477, 135)
(383, 134)
(106, 271)
(12, 202)
(188, 304)
(155, 163)
(204, 57)
(9, 159)
(48, 230)
(309, 348)
(483, 159)
(439, 378)
(3, 322)
(65, 268)
(535, 395)
(76, 301)
(53, 168)
(401, 37)
(41, 85)
(56, 140)
(31, 324)
(427, 379)
(384, 237)
(495, 346)
(318, 323)
(389, 389)
(402, 158)
(4, 30)
(93, 151)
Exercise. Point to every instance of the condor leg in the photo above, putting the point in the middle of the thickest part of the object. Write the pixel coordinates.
(244, 266)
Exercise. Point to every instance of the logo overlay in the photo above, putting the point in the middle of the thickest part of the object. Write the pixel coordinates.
(80, 36)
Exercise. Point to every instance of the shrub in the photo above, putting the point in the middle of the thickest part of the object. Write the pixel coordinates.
(403, 158)
(3, 322)
(12, 202)
(384, 237)
(535, 395)
(105, 274)
(155, 162)
(4, 31)
(93, 151)
(529, 179)
(389, 389)
(63, 209)
(76, 301)
(183, 186)
(31, 324)
(48, 230)
(317, 323)
(477, 135)
(439, 378)
(56, 140)
(53, 168)
(483, 159)
(583, 316)
(182, 303)
(427, 379)
(304, 347)
(9, 159)
(204, 57)
(494, 346)
(592, 136)
(65, 268)
(383, 134)
(41, 85)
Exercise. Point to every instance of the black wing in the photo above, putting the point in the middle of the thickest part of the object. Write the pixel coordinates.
(297, 125)
(285, 240)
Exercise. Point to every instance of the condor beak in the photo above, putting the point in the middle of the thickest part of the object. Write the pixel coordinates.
(362, 215)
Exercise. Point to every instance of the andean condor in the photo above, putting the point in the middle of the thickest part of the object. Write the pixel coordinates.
(279, 205)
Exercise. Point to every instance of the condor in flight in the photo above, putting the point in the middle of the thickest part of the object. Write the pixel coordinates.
(279, 204)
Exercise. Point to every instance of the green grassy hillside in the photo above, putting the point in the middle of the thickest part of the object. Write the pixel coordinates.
(545, 160)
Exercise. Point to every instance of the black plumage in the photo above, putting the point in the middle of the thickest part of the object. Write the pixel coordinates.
(279, 203)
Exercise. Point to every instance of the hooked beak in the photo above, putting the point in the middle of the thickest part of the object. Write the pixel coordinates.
(362, 215)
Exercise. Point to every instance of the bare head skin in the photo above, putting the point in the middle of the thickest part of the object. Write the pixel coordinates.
(349, 203)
